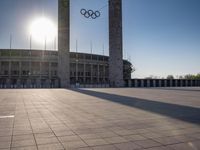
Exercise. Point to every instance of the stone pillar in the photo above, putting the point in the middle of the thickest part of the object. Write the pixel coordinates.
(176, 82)
(142, 83)
(186, 82)
(84, 73)
(159, 83)
(91, 77)
(154, 83)
(165, 83)
(38, 83)
(115, 43)
(9, 69)
(130, 83)
(171, 83)
(7, 83)
(64, 42)
(50, 71)
(40, 70)
(181, 83)
(18, 83)
(196, 83)
(148, 83)
(98, 74)
(20, 70)
(104, 74)
(47, 84)
(135, 83)
(0, 66)
(56, 83)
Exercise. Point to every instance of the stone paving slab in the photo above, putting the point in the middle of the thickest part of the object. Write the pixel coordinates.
(100, 119)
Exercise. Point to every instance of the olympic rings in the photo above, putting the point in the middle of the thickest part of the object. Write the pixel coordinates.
(90, 13)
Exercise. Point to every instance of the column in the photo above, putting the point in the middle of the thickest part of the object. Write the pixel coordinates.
(171, 83)
(181, 83)
(186, 83)
(91, 78)
(115, 43)
(9, 74)
(148, 83)
(130, 83)
(38, 83)
(84, 73)
(64, 42)
(142, 83)
(165, 83)
(98, 74)
(136, 83)
(50, 74)
(160, 83)
(176, 82)
(154, 83)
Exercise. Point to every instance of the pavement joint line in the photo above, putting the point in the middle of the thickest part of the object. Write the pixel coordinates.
(48, 124)
(4, 117)
(30, 123)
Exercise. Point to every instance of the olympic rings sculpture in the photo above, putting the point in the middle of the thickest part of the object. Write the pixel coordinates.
(90, 13)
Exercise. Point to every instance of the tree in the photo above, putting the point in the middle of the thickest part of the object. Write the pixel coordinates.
(170, 77)
(189, 76)
(197, 76)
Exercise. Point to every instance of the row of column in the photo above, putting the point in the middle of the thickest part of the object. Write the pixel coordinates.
(77, 69)
(29, 69)
(162, 83)
(29, 83)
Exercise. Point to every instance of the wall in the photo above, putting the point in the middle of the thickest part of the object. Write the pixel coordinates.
(162, 83)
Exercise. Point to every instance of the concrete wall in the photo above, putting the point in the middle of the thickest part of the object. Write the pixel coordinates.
(162, 83)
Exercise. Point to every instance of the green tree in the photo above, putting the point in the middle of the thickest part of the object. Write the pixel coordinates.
(170, 77)
(189, 76)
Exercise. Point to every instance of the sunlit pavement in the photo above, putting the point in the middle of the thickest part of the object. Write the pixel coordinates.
(100, 119)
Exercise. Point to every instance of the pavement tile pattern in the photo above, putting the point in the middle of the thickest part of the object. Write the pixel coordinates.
(100, 119)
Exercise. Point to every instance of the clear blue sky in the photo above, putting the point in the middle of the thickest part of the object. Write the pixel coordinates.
(161, 37)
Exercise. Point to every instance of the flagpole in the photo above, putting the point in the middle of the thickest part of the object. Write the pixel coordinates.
(103, 49)
(91, 47)
(30, 42)
(10, 41)
(76, 61)
(45, 43)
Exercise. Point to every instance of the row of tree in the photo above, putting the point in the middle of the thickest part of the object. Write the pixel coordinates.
(187, 76)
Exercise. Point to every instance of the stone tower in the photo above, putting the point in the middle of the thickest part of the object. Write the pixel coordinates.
(115, 44)
(64, 42)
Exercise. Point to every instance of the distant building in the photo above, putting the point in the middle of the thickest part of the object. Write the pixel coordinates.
(39, 69)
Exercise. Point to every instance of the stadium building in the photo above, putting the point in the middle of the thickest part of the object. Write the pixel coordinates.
(62, 68)
(39, 69)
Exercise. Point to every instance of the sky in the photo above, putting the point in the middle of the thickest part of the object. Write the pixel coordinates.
(160, 37)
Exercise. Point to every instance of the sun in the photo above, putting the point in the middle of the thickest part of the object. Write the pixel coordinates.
(42, 30)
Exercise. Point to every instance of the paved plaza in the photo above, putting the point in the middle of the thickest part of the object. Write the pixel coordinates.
(100, 119)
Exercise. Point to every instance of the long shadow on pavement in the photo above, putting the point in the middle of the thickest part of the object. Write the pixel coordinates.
(178, 89)
(184, 113)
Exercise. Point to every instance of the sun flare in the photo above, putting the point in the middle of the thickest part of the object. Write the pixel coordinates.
(42, 29)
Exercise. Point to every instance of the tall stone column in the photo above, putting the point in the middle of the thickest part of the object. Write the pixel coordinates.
(115, 44)
(63, 42)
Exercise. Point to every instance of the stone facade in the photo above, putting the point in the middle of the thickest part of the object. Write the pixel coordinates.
(39, 69)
